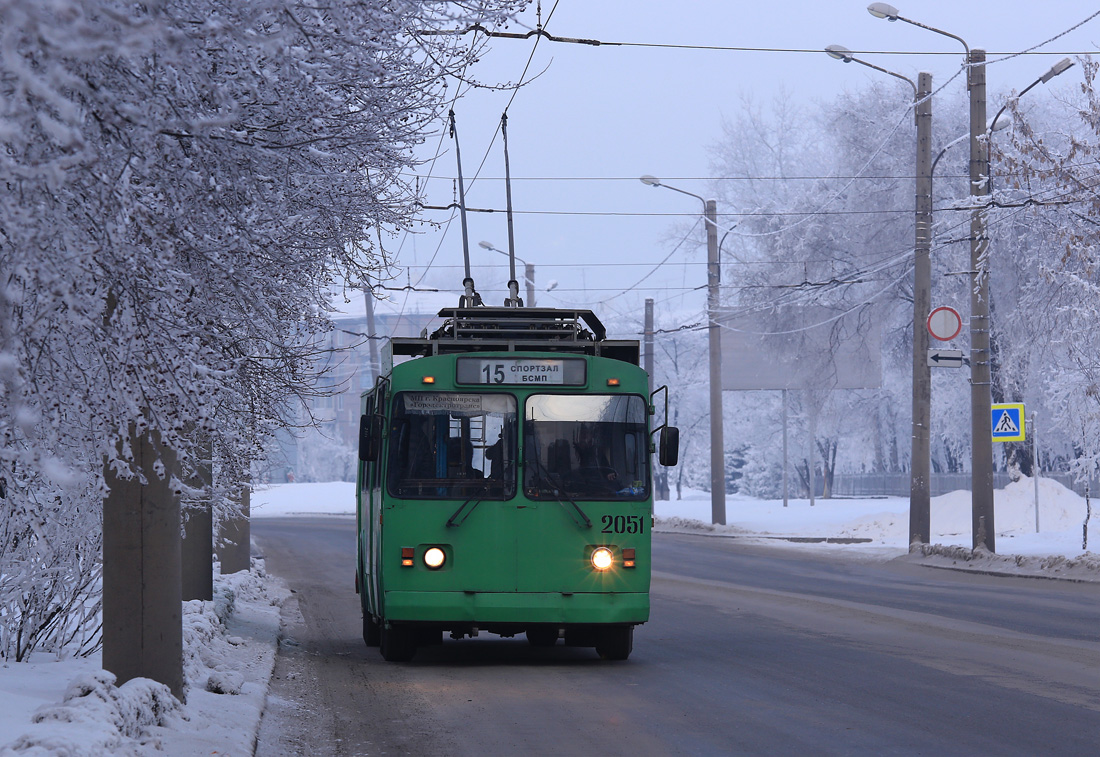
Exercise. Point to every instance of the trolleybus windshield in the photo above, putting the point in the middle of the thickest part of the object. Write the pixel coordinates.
(450, 445)
(587, 446)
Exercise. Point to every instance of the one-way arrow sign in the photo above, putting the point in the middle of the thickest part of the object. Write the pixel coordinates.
(946, 358)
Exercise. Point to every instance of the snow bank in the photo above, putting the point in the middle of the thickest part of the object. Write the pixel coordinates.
(228, 656)
(97, 718)
(1086, 567)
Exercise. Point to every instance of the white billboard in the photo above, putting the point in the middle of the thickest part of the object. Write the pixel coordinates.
(805, 347)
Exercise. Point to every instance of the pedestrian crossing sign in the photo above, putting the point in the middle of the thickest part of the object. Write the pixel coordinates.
(1008, 422)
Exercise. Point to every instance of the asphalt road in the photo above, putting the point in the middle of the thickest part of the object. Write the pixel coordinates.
(750, 651)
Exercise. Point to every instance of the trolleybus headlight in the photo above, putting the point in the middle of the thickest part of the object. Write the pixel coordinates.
(434, 558)
(602, 558)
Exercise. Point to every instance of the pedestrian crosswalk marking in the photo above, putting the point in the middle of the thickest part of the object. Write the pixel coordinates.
(1006, 425)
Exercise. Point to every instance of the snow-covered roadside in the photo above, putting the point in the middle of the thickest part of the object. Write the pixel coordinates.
(73, 708)
(70, 707)
(878, 529)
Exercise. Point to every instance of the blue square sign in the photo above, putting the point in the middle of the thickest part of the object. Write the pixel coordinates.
(1008, 422)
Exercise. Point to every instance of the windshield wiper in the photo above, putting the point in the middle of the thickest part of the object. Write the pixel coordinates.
(476, 496)
(568, 496)
(542, 477)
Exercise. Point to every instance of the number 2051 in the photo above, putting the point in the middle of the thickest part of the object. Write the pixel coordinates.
(623, 524)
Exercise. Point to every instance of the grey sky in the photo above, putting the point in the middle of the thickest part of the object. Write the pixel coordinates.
(599, 117)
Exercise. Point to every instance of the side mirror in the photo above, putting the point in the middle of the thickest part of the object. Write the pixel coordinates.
(370, 437)
(669, 446)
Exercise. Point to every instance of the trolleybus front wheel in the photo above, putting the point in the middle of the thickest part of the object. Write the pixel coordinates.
(397, 644)
(615, 643)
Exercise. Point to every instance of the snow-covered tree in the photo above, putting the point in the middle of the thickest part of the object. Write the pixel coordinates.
(1049, 180)
(814, 236)
(184, 181)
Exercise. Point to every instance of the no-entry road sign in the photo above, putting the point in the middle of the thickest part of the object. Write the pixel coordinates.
(944, 323)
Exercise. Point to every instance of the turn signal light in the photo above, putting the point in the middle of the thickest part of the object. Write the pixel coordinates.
(612, 382)
(407, 555)
(428, 380)
(628, 558)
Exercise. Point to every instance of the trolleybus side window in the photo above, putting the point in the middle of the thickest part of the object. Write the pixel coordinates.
(451, 445)
(586, 446)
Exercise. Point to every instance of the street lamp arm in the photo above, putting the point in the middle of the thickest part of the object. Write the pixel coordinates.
(653, 181)
(1058, 68)
(890, 13)
(845, 55)
(947, 147)
(938, 31)
(489, 246)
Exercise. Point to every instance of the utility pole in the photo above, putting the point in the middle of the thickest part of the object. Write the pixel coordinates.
(372, 340)
(648, 341)
(981, 423)
(714, 349)
(920, 475)
(660, 474)
(920, 457)
(786, 494)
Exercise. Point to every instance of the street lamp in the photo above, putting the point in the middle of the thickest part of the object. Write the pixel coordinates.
(920, 472)
(714, 349)
(981, 423)
(996, 125)
(528, 274)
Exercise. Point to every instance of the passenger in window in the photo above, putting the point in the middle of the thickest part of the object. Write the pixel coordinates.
(594, 472)
(422, 462)
(494, 453)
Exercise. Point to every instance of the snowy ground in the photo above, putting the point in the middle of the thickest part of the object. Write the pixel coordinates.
(70, 707)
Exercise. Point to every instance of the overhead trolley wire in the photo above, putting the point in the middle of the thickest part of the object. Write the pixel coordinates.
(541, 33)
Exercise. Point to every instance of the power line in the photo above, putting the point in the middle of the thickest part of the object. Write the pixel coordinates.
(746, 214)
(705, 178)
(543, 34)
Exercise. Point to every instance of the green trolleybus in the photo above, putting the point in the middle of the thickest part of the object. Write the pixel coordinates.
(505, 486)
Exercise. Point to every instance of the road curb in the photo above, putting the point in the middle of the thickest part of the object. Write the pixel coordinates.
(1007, 574)
(793, 539)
